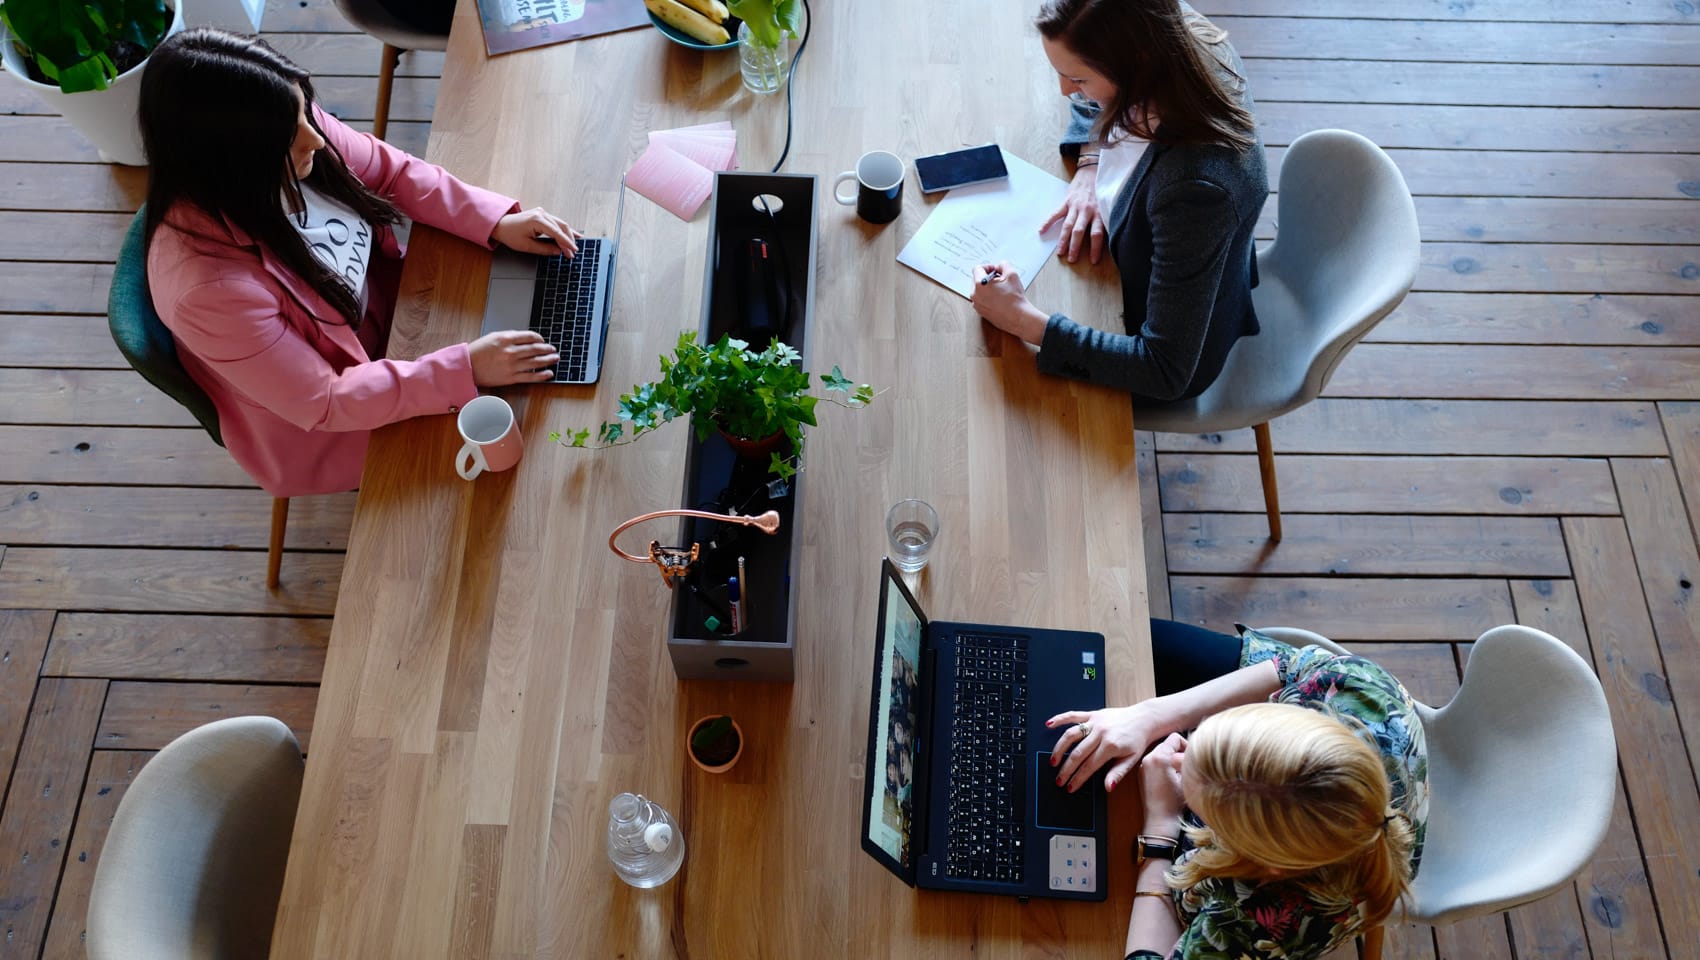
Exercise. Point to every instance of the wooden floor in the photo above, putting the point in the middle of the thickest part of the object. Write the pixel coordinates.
(1519, 442)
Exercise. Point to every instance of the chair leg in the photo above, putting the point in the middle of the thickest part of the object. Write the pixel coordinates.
(1372, 944)
(386, 80)
(1266, 467)
(274, 554)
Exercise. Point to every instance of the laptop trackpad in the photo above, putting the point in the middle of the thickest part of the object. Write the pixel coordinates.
(508, 305)
(1057, 809)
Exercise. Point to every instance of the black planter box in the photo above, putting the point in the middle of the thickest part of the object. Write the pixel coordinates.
(715, 479)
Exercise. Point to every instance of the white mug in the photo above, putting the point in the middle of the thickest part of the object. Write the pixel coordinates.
(491, 434)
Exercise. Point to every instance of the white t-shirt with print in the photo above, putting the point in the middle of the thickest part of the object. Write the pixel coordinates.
(338, 236)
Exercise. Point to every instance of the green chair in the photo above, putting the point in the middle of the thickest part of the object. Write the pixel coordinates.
(146, 343)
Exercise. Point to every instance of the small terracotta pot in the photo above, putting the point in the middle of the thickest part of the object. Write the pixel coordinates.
(722, 768)
(758, 450)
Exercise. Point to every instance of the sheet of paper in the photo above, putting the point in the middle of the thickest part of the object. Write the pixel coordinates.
(714, 125)
(680, 185)
(713, 152)
(988, 223)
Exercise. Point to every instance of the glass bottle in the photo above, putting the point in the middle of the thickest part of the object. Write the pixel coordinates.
(763, 67)
(644, 844)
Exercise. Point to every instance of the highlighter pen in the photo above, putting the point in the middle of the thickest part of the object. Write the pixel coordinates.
(744, 590)
(725, 616)
(732, 601)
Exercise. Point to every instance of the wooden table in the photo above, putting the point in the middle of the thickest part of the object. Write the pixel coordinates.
(496, 675)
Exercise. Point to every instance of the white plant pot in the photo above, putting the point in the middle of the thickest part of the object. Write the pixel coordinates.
(107, 118)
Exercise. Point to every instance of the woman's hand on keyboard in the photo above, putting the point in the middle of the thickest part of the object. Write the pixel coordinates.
(511, 356)
(536, 231)
(1114, 734)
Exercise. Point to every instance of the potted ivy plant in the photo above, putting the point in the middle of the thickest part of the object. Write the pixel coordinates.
(85, 59)
(761, 40)
(759, 400)
(716, 743)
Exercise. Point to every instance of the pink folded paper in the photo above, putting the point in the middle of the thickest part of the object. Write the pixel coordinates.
(677, 169)
(713, 152)
(680, 185)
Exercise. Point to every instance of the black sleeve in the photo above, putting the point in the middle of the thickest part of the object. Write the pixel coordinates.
(1192, 227)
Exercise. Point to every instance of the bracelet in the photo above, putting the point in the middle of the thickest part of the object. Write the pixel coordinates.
(1152, 893)
(1147, 847)
(1086, 162)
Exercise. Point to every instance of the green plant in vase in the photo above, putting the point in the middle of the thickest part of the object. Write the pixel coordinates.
(768, 19)
(761, 39)
(81, 45)
(759, 399)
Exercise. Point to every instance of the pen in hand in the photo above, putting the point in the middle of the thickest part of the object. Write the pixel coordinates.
(992, 273)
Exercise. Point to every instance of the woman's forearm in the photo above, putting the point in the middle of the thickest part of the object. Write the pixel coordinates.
(1153, 923)
(1187, 708)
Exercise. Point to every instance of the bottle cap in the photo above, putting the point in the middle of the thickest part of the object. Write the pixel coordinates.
(658, 837)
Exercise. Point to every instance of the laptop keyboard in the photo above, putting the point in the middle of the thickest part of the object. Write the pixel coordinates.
(563, 308)
(987, 821)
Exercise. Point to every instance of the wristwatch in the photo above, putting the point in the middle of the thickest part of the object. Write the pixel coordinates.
(1154, 848)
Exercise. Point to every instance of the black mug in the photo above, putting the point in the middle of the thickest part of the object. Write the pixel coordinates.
(879, 187)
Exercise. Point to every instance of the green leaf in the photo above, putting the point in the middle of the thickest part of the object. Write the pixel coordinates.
(711, 733)
(764, 19)
(554, 436)
(836, 380)
(71, 42)
(789, 13)
(781, 466)
(864, 395)
(580, 437)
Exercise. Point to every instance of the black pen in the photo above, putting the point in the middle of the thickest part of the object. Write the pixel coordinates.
(990, 276)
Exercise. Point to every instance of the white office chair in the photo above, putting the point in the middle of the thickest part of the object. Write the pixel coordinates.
(370, 17)
(193, 865)
(1345, 254)
(1522, 771)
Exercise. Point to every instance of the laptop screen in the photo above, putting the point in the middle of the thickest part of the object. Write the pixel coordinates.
(893, 754)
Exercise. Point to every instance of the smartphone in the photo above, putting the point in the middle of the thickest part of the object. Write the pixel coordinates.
(941, 171)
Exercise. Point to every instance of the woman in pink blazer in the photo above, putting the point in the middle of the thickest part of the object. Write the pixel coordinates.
(272, 259)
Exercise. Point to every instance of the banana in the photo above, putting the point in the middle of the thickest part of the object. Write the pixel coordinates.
(712, 9)
(693, 24)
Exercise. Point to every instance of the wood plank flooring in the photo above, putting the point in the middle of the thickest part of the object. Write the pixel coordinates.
(1519, 442)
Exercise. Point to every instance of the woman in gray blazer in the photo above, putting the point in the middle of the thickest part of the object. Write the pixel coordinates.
(1180, 229)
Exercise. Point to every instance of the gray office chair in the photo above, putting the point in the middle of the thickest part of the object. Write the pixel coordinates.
(1345, 254)
(370, 18)
(1522, 771)
(147, 344)
(192, 867)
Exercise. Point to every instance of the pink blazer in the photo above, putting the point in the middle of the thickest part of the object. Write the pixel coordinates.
(297, 398)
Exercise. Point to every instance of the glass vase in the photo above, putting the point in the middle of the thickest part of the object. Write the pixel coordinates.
(763, 67)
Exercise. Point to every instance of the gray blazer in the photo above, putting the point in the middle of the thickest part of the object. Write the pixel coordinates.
(1180, 232)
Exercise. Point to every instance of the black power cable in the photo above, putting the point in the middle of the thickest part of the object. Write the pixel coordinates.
(791, 84)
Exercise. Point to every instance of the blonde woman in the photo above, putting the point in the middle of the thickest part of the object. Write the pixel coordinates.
(1277, 829)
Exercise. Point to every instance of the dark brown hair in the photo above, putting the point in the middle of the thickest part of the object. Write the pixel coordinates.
(1157, 55)
(218, 117)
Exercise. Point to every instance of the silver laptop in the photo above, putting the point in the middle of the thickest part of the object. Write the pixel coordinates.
(565, 300)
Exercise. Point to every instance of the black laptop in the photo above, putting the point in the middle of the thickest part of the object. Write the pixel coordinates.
(961, 794)
(565, 300)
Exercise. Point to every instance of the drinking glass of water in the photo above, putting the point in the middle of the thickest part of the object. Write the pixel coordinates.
(911, 526)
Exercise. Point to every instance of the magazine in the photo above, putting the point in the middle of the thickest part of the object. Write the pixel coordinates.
(511, 25)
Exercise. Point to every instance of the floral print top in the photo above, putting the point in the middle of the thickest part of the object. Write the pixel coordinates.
(1229, 919)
